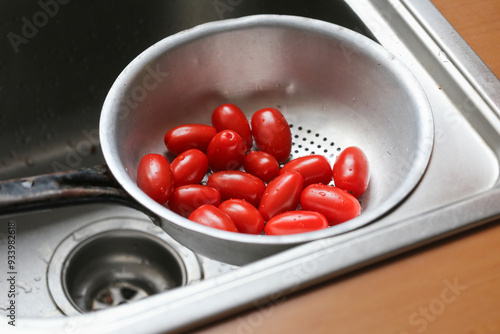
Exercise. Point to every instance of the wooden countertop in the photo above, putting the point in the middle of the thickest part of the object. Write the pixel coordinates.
(452, 286)
(478, 22)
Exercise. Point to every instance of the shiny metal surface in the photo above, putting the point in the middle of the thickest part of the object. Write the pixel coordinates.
(45, 239)
(459, 189)
(456, 50)
(115, 261)
(117, 268)
(324, 78)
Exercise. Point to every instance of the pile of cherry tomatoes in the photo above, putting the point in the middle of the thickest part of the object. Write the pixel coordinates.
(246, 190)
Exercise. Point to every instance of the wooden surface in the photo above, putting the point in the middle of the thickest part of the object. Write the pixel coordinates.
(478, 22)
(452, 286)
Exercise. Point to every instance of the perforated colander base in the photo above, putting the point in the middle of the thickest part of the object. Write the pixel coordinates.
(307, 141)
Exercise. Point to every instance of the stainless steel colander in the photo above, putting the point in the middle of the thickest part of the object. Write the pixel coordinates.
(335, 87)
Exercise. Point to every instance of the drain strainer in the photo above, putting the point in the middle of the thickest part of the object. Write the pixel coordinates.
(117, 294)
(117, 261)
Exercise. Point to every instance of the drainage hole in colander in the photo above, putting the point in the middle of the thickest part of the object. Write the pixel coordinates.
(306, 142)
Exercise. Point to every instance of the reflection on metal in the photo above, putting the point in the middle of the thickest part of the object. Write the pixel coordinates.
(66, 71)
(115, 261)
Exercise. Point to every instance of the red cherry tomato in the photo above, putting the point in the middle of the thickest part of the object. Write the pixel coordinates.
(272, 133)
(185, 199)
(292, 222)
(189, 167)
(226, 151)
(351, 171)
(334, 203)
(282, 194)
(187, 136)
(154, 177)
(237, 184)
(262, 164)
(209, 215)
(230, 117)
(244, 215)
(313, 168)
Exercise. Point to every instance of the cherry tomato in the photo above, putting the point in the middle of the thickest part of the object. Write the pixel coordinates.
(230, 117)
(292, 222)
(226, 151)
(185, 199)
(313, 168)
(262, 164)
(154, 177)
(210, 215)
(351, 171)
(282, 194)
(244, 215)
(272, 133)
(237, 184)
(334, 203)
(189, 167)
(187, 136)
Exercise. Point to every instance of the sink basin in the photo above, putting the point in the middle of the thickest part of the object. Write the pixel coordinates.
(57, 63)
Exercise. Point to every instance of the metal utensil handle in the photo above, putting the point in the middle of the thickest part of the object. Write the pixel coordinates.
(86, 185)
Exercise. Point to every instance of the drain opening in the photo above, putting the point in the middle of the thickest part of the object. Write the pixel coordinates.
(119, 267)
(116, 261)
(117, 294)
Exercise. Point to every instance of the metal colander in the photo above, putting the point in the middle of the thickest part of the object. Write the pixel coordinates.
(335, 87)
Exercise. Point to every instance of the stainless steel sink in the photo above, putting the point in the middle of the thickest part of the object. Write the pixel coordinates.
(57, 61)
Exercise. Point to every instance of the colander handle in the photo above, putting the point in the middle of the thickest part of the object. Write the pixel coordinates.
(86, 185)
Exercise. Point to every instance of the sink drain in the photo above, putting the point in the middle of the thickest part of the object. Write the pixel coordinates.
(117, 267)
(117, 294)
(115, 262)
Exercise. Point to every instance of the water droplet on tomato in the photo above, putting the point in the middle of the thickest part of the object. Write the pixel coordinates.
(322, 193)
